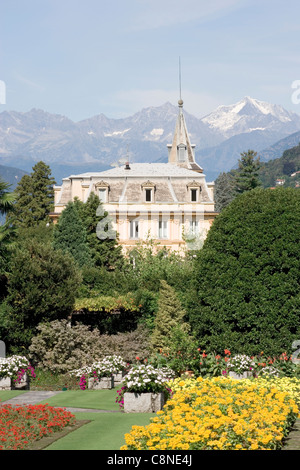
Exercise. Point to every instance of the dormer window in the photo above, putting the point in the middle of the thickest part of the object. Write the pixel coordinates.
(102, 189)
(194, 189)
(102, 194)
(148, 189)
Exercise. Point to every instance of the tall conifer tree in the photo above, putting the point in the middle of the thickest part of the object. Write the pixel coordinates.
(247, 175)
(70, 235)
(170, 315)
(104, 251)
(34, 197)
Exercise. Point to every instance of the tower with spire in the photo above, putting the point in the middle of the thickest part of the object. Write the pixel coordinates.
(181, 151)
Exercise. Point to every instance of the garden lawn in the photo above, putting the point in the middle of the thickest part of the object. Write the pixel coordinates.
(8, 394)
(90, 399)
(105, 431)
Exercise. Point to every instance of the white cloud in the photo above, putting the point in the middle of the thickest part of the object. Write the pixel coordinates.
(152, 14)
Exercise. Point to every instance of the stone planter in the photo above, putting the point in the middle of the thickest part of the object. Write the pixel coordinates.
(5, 383)
(102, 384)
(143, 402)
(244, 375)
(8, 384)
(23, 385)
(118, 378)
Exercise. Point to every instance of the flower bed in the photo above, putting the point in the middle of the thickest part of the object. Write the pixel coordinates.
(289, 385)
(20, 426)
(105, 367)
(218, 414)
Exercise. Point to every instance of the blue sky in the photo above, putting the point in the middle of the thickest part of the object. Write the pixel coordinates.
(83, 58)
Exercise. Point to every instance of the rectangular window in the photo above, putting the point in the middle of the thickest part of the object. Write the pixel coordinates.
(102, 194)
(162, 229)
(193, 195)
(181, 154)
(134, 229)
(148, 195)
(194, 227)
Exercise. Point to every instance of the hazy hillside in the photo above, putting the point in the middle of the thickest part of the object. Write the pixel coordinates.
(284, 167)
(11, 175)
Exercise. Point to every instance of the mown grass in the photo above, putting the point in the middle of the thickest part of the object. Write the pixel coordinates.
(8, 394)
(105, 431)
(92, 399)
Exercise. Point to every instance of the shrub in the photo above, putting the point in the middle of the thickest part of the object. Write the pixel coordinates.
(42, 286)
(61, 348)
(247, 275)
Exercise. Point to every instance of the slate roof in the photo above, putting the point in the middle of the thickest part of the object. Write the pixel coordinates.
(143, 170)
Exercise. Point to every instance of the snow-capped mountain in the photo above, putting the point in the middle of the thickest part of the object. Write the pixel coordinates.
(250, 115)
(97, 143)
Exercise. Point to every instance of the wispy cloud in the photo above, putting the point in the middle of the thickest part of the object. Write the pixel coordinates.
(153, 14)
(29, 82)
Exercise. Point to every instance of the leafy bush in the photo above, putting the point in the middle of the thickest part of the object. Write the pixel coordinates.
(42, 285)
(247, 276)
(61, 348)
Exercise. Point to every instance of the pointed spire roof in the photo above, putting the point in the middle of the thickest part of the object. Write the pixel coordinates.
(181, 152)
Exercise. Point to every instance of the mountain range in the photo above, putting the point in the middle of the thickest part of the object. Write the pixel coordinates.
(99, 142)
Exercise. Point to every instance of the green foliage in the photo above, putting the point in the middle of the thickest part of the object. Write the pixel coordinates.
(224, 190)
(70, 235)
(61, 348)
(7, 233)
(170, 314)
(106, 251)
(104, 303)
(43, 284)
(182, 352)
(247, 275)
(247, 175)
(6, 198)
(34, 197)
(149, 264)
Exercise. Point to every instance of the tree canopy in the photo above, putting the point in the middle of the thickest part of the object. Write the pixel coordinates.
(70, 235)
(247, 275)
(43, 285)
(34, 197)
(247, 175)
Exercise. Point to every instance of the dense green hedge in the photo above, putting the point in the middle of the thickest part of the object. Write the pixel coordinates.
(247, 275)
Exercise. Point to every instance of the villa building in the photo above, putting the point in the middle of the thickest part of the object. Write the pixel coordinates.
(169, 202)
